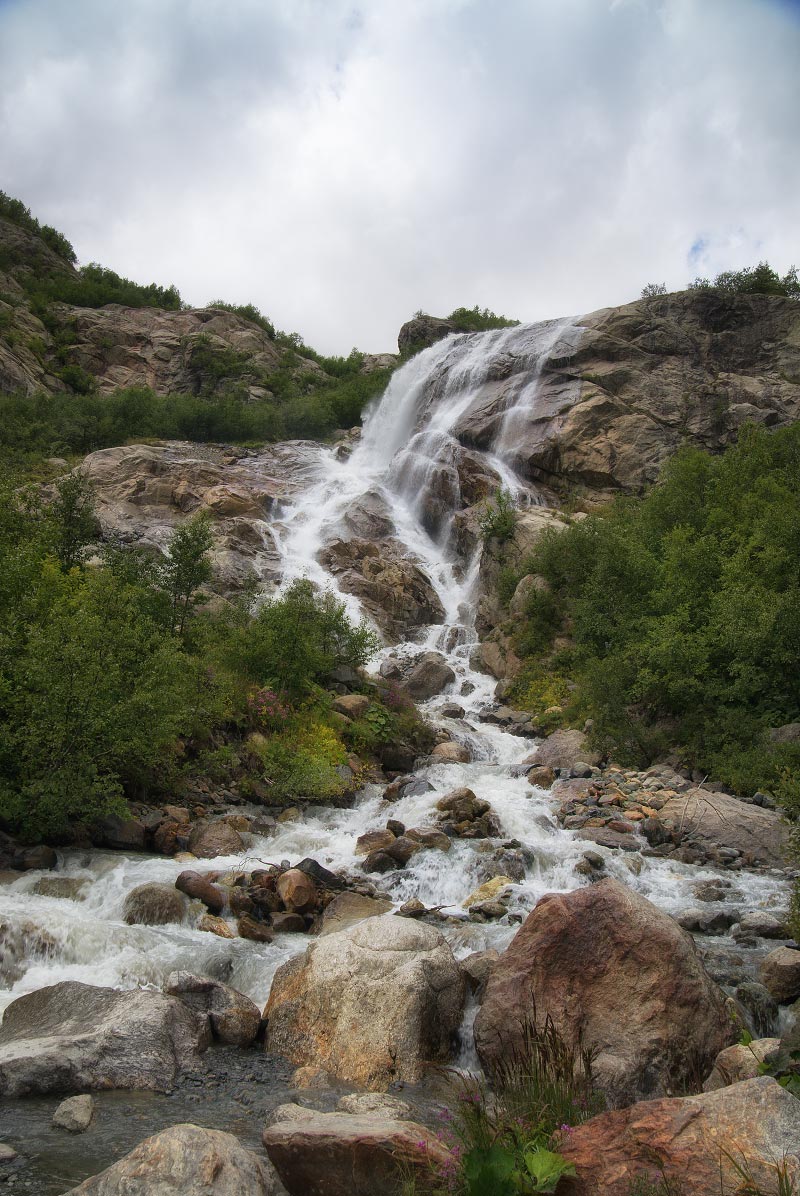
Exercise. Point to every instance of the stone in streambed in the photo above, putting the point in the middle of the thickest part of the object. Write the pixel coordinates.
(75, 1114)
(347, 909)
(353, 1154)
(451, 753)
(195, 884)
(255, 931)
(184, 1160)
(72, 1036)
(605, 963)
(218, 926)
(213, 839)
(234, 1019)
(297, 891)
(154, 904)
(780, 972)
(739, 1062)
(371, 1004)
(371, 841)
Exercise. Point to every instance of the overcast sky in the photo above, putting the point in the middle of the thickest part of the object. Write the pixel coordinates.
(343, 163)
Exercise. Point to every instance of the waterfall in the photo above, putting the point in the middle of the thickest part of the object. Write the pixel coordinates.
(446, 430)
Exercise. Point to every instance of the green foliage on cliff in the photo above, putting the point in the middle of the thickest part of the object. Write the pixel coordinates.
(684, 610)
(479, 319)
(752, 280)
(15, 211)
(95, 286)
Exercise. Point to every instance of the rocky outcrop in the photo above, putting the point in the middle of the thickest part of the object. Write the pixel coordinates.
(73, 1037)
(392, 589)
(614, 971)
(371, 1004)
(690, 1142)
(422, 331)
(185, 1160)
(353, 1154)
(624, 387)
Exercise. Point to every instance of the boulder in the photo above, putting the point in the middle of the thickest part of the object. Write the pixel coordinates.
(760, 1009)
(477, 969)
(393, 589)
(563, 749)
(75, 1114)
(255, 931)
(215, 838)
(184, 1160)
(760, 925)
(370, 1004)
(740, 1062)
(347, 909)
(213, 925)
(72, 1036)
(429, 676)
(451, 753)
(195, 884)
(154, 904)
(377, 840)
(297, 891)
(353, 1154)
(780, 973)
(607, 965)
(124, 834)
(715, 821)
(690, 1140)
(351, 705)
(234, 1019)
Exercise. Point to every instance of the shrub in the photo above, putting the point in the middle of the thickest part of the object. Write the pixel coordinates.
(498, 518)
(752, 280)
(478, 319)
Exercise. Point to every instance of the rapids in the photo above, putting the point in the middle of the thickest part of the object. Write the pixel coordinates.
(409, 440)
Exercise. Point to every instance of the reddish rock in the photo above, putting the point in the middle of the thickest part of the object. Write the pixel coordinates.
(216, 926)
(288, 923)
(373, 841)
(297, 891)
(256, 932)
(348, 1154)
(195, 884)
(688, 1140)
(604, 962)
(165, 836)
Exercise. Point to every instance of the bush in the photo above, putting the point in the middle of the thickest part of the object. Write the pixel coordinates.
(15, 211)
(478, 319)
(498, 518)
(685, 609)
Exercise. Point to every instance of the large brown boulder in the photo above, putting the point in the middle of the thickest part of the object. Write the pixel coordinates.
(71, 1037)
(394, 590)
(429, 675)
(371, 1004)
(297, 891)
(604, 963)
(184, 1160)
(353, 1154)
(690, 1142)
(563, 749)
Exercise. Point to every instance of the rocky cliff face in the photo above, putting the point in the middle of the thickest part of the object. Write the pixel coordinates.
(636, 382)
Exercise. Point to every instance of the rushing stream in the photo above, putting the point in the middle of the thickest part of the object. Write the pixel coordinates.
(407, 447)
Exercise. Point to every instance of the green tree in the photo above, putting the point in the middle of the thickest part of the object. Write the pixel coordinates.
(72, 520)
(186, 568)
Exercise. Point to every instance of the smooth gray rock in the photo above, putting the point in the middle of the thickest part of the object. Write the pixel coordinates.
(72, 1037)
(75, 1114)
(234, 1019)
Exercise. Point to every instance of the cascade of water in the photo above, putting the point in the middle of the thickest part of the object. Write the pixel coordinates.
(409, 441)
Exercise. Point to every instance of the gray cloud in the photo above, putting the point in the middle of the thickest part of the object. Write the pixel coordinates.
(343, 164)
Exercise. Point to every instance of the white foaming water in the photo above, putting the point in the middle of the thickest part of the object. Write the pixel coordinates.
(408, 442)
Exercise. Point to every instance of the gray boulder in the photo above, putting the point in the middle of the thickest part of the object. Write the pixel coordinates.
(75, 1114)
(154, 904)
(73, 1037)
